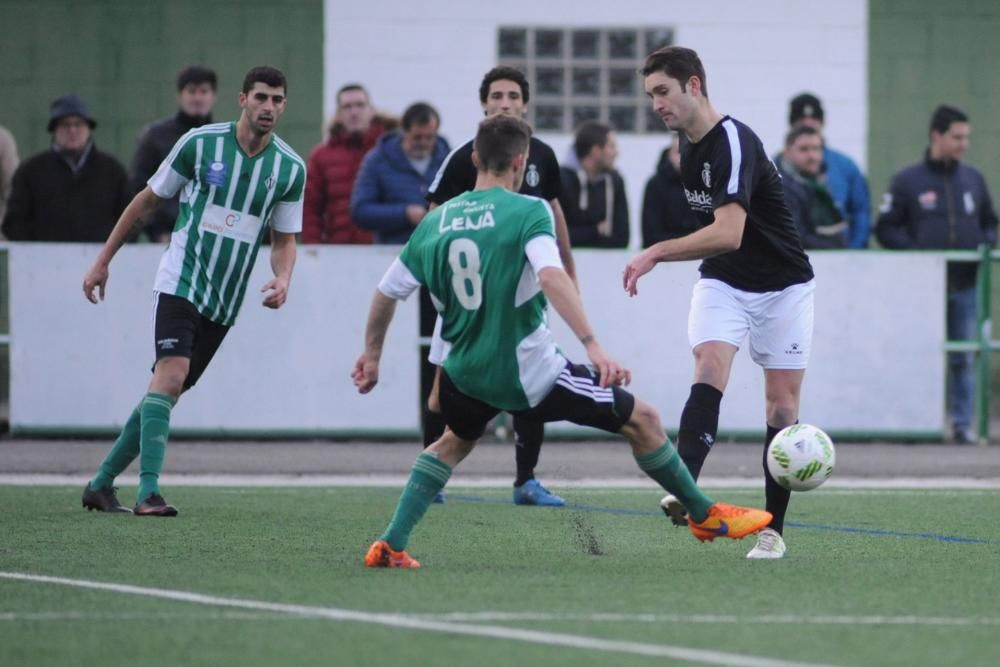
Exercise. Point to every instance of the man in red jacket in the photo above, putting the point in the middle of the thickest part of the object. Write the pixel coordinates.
(334, 165)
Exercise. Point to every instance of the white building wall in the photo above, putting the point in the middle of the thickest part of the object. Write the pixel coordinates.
(757, 56)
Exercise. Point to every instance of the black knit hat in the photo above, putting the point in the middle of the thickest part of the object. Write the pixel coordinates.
(805, 105)
(69, 105)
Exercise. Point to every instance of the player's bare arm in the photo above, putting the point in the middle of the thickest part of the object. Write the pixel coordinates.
(282, 263)
(365, 372)
(562, 240)
(725, 234)
(562, 294)
(131, 220)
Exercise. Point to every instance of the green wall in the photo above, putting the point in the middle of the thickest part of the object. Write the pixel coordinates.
(122, 56)
(923, 53)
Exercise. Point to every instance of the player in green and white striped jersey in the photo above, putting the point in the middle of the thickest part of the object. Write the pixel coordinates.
(235, 180)
(490, 261)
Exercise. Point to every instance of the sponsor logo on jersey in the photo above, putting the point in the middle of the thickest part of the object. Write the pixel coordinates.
(532, 178)
(699, 200)
(706, 175)
(216, 173)
(460, 223)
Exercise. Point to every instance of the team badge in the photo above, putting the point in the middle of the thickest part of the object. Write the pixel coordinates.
(216, 173)
(532, 178)
(269, 182)
(706, 175)
(928, 200)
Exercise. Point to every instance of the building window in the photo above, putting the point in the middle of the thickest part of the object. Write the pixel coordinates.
(580, 74)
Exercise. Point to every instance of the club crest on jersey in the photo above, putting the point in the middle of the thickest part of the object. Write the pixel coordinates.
(269, 182)
(532, 178)
(706, 175)
(216, 173)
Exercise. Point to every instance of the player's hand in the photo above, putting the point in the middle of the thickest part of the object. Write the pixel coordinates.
(277, 292)
(609, 370)
(96, 276)
(637, 267)
(365, 373)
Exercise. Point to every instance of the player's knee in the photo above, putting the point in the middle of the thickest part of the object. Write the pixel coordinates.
(782, 412)
(646, 421)
(710, 367)
(169, 376)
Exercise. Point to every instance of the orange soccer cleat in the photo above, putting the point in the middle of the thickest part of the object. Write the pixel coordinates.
(380, 554)
(731, 521)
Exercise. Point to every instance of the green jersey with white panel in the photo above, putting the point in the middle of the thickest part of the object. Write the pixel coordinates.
(470, 253)
(227, 201)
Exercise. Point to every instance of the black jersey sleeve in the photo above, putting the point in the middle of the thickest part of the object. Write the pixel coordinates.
(731, 174)
(552, 177)
(456, 175)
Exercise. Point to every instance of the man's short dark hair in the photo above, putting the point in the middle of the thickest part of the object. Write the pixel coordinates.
(196, 75)
(269, 76)
(588, 135)
(801, 131)
(348, 87)
(419, 113)
(498, 140)
(504, 73)
(678, 63)
(944, 116)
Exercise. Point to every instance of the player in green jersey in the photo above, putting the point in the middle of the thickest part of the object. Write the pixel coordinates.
(235, 180)
(490, 261)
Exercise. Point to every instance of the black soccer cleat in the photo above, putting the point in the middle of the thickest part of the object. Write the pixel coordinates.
(155, 505)
(104, 499)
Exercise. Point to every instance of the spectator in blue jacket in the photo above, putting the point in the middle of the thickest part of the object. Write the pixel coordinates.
(388, 196)
(943, 203)
(843, 178)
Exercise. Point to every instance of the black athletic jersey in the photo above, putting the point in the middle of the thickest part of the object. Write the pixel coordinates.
(457, 174)
(729, 165)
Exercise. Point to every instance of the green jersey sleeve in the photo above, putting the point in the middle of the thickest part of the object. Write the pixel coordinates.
(176, 169)
(540, 220)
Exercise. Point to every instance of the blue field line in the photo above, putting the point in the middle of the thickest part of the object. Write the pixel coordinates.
(795, 524)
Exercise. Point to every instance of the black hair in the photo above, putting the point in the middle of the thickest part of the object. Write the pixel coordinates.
(588, 135)
(944, 116)
(419, 113)
(800, 131)
(504, 73)
(269, 76)
(678, 63)
(196, 74)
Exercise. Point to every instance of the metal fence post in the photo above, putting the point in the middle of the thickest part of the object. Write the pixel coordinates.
(985, 339)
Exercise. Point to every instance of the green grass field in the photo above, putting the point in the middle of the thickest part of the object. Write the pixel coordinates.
(891, 577)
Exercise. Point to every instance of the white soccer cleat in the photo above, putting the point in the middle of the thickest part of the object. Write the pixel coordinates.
(769, 545)
(674, 510)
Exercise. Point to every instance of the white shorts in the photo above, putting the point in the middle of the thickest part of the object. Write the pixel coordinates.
(780, 324)
(439, 346)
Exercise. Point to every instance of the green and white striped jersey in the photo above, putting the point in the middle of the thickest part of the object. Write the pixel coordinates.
(227, 200)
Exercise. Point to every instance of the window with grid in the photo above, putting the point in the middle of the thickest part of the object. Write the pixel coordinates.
(580, 74)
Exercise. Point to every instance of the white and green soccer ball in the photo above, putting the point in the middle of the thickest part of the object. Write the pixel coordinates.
(801, 457)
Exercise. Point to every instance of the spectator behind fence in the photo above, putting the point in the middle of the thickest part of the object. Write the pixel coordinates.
(943, 203)
(820, 223)
(844, 179)
(593, 194)
(196, 88)
(665, 210)
(389, 193)
(333, 167)
(8, 164)
(70, 192)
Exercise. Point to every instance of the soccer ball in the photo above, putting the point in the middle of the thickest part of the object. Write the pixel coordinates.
(801, 457)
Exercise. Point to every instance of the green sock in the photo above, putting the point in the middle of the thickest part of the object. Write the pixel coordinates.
(155, 417)
(427, 478)
(668, 470)
(122, 453)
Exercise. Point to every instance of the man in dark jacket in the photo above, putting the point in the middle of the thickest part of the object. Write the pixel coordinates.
(196, 88)
(389, 193)
(71, 192)
(593, 194)
(665, 210)
(942, 203)
(820, 223)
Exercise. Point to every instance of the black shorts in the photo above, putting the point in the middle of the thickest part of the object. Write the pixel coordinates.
(179, 330)
(577, 397)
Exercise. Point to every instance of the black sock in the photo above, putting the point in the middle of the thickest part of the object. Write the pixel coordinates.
(433, 427)
(528, 436)
(777, 496)
(699, 425)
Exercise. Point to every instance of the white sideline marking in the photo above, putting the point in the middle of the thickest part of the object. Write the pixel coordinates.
(483, 616)
(460, 481)
(399, 621)
(137, 616)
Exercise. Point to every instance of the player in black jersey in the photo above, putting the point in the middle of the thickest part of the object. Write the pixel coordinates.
(755, 277)
(504, 90)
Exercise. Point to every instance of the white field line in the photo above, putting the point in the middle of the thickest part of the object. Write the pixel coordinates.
(518, 617)
(446, 627)
(461, 481)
